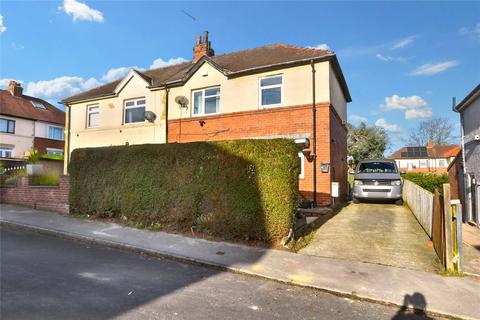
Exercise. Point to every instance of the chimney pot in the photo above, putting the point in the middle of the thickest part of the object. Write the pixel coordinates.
(15, 88)
(430, 144)
(202, 47)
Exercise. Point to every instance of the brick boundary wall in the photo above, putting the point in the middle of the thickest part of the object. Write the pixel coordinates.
(290, 120)
(53, 198)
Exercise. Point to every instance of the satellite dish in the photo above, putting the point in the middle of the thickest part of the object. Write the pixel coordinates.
(150, 116)
(182, 101)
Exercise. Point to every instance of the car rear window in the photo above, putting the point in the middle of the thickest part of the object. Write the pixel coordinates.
(377, 167)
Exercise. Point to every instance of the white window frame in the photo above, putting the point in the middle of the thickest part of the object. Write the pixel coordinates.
(89, 112)
(57, 127)
(4, 149)
(260, 91)
(8, 122)
(202, 107)
(302, 165)
(56, 151)
(135, 106)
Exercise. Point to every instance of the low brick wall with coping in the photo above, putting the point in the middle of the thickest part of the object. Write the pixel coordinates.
(53, 198)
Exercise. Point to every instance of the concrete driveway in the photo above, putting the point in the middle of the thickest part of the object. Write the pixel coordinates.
(375, 233)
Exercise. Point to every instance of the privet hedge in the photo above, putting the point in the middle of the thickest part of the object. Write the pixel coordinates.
(246, 189)
(428, 181)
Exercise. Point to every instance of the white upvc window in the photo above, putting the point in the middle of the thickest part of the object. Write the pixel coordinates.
(134, 111)
(6, 152)
(55, 152)
(301, 157)
(206, 101)
(93, 116)
(271, 91)
(55, 133)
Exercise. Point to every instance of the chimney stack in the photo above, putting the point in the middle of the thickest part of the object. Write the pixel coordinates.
(202, 47)
(15, 88)
(430, 144)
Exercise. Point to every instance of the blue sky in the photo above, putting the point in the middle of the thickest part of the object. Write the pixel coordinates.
(403, 61)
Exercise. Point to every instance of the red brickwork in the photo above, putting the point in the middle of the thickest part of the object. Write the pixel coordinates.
(41, 144)
(53, 198)
(292, 120)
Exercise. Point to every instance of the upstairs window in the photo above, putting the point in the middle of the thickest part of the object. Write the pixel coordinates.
(55, 133)
(135, 111)
(7, 125)
(271, 91)
(206, 101)
(93, 116)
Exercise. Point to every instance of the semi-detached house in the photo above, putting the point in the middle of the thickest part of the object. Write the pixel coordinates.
(261, 93)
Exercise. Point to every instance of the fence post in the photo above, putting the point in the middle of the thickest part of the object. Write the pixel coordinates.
(447, 217)
(457, 239)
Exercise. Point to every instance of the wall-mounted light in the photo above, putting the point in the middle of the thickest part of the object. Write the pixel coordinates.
(201, 122)
(325, 167)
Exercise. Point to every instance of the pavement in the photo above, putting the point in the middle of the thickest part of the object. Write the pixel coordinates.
(452, 296)
(384, 234)
(46, 277)
(471, 250)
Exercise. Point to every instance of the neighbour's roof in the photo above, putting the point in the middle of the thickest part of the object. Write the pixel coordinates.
(231, 64)
(22, 107)
(440, 151)
(468, 99)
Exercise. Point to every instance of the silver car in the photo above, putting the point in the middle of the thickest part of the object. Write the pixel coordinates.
(377, 179)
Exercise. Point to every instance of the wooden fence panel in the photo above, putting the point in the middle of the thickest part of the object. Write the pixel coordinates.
(420, 202)
(438, 225)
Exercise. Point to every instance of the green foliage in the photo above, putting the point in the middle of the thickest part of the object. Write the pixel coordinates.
(33, 156)
(2, 168)
(52, 157)
(428, 181)
(246, 189)
(365, 142)
(46, 179)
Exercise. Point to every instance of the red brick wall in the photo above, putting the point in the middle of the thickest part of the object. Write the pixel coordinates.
(43, 143)
(53, 198)
(277, 121)
(338, 150)
(455, 169)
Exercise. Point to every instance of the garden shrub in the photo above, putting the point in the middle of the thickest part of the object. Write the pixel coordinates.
(46, 179)
(428, 181)
(245, 189)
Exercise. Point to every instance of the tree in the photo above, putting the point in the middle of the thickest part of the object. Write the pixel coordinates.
(364, 142)
(438, 130)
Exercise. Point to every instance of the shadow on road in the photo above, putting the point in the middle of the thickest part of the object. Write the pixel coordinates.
(414, 307)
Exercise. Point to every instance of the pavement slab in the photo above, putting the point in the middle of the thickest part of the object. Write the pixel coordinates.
(451, 296)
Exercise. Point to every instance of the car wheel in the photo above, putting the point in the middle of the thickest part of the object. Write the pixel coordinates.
(355, 200)
(399, 202)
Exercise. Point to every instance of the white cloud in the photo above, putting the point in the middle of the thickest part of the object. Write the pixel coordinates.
(2, 26)
(80, 11)
(403, 42)
(357, 119)
(321, 46)
(473, 32)
(391, 127)
(117, 73)
(160, 63)
(415, 107)
(60, 88)
(389, 58)
(4, 82)
(430, 69)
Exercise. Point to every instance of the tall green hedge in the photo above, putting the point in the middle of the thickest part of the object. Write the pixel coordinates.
(246, 189)
(428, 181)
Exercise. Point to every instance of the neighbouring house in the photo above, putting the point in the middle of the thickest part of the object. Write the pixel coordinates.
(259, 93)
(469, 109)
(28, 122)
(427, 158)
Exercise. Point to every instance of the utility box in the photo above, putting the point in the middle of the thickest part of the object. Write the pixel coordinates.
(335, 189)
